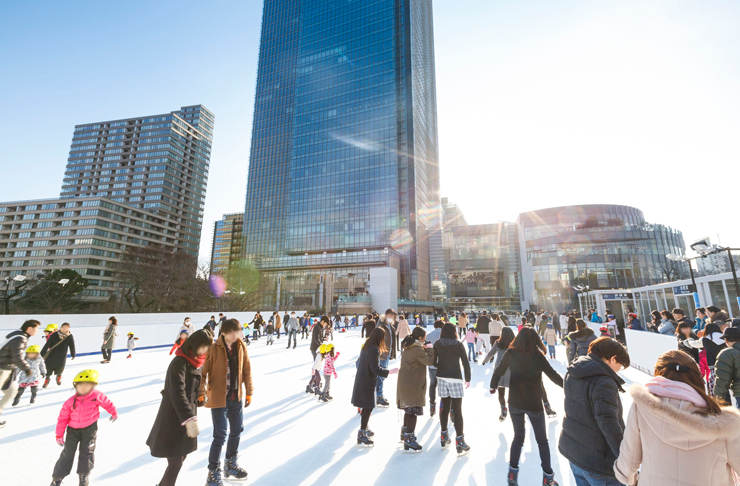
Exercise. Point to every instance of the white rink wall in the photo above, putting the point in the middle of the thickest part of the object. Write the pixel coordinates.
(153, 330)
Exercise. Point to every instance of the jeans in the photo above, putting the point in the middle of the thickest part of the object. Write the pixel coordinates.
(293, 335)
(432, 385)
(379, 383)
(584, 478)
(230, 416)
(471, 351)
(551, 350)
(737, 402)
(537, 419)
(85, 438)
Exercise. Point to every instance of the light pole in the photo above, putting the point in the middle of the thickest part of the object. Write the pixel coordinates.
(582, 289)
(704, 248)
(683, 258)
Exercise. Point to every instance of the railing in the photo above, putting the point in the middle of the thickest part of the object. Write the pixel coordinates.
(362, 298)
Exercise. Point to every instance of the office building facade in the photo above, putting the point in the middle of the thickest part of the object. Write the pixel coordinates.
(344, 163)
(154, 163)
(226, 248)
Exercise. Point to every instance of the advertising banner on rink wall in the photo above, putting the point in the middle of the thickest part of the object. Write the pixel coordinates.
(153, 330)
(646, 347)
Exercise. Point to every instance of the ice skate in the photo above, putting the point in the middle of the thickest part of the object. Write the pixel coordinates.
(85, 479)
(513, 476)
(403, 434)
(432, 409)
(549, 411)
(462, 447)
(214, 477)
(382, 402)
(231, 468)
(369, 433)
(504, 413)
(56, 482)
(410, 444)
(445, 441)
(549, 480)
(323, 398)
(59, 380)
(309, 389)
(363, 439)
(127, 357)
(46, 383)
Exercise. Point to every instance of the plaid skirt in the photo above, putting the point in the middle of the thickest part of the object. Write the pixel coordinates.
(414, 410)
(449, 389)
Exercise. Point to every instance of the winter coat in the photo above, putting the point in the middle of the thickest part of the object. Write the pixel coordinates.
(727, 368)
(317, 336)
(412, 377)
(188, 329)
(270, 328)
(688, 349)
(403, 329)
(712, 342)
(38, 370)
(470, 337)
(389, 340)
(278, 321)
(449, 354)
(676, 445)
(525, 383)
(667, 327)
(636, 325)
(367, 328)
(13, 352)
(329, 361)
(494, 328)
(580, 341)
(79, 412)
(462, 322)
(483, 325)
(593, 424)
(109, 337)
(550, 337)
(561, 323)
(61, 345)
(131, 344)
(292, 324)
(168, 437)
(213, 376)
(498, 353)
(368, 370)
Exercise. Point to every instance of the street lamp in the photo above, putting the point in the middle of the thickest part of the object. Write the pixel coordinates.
(685, 259)
(582, 289)
(704, 248)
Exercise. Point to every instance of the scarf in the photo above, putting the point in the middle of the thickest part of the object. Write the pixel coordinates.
(196, 362)
(666, 388)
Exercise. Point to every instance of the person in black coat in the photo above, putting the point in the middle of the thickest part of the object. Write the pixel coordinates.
(526, 359)
(367, 327)
(175, 430)
(368, 371)
(55, 353)
(317, 334)
(593, 425)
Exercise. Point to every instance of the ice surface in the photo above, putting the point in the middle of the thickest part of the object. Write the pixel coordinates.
(290, 438)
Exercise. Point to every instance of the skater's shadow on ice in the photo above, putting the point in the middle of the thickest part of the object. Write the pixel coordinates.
(307, 462)
(493, 468)
(128, 466)
(281, 370)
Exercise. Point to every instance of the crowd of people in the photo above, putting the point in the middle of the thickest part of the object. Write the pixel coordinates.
(681, 427)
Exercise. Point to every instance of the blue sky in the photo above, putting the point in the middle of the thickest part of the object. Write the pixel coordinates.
(540, 103)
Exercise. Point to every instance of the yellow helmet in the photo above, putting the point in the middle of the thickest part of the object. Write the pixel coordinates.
(326, 348)
(86, 376)
(51, 328)
(33, 349)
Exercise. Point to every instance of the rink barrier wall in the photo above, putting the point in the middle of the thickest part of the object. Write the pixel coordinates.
(153, 330)
(644, 347)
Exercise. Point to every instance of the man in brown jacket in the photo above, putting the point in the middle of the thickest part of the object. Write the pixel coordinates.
(226, 379)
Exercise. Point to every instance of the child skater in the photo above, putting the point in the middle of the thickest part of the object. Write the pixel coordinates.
(183, 337)
(550, 339)
(79, 417)
(314, 386)
(269, 329)
(131, 344)
(32, 380)
(327, 350)
(471, 338)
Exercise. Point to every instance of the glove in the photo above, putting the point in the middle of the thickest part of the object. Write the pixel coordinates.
(60, 441)
(201, 401)
(114, 418)
(191, 428)
(247, 401)
(493, 390)
(467, 385)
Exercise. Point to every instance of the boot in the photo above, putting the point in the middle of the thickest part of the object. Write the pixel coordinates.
(445, 441)
(513, 477)
(362, 439)
(549, 411)
(214, 477)
(59, 380)
(323, 398)
(403, 433)
(369, 433)
(504, 412)
(309, 389)
(17, 398)
(382, 402)
(85, 479)
(549, 479)
(231, 468)
(462, 447)
(432, 409)
(46, 382)
(33, 394)
(409, 442)
(56, 482)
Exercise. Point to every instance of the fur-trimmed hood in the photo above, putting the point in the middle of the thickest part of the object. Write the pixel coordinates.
(584, 333)
(679, 425)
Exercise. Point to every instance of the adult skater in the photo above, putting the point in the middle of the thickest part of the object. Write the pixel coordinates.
(277, 322)
(291, 329)
(495, 328)
(257, 323)
(187, 326)
(433, 337)
(109, 340)
(283, 323)
(676, 432)
(403, 329)
(317, 335)
(305, 325)
(227, 378)
(462, 324)
(527, 362)
(580, 340)
(368, 324)
(412, 383)
(368, 371)
(498, 351)
(483, 330)
(449, 354)
(12, 356)
(388, 325)
(55, 351)
(175, 430)
(593, 426)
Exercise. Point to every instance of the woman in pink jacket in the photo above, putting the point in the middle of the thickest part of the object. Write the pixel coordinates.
(678, 433)
(79, 418)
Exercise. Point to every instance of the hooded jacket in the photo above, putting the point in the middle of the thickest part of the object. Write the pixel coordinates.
(580, 341)
(79, 412)
(448, 355)
(12, 354)
(412, 377)
(727, 368)
(593, 426)
(675, 444)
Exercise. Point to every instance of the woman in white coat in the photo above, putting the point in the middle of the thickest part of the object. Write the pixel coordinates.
(678, 433)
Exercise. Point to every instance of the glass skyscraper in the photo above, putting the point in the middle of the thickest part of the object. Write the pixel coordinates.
(344, 162)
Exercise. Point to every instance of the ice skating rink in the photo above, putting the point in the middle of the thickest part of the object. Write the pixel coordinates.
(290, 438)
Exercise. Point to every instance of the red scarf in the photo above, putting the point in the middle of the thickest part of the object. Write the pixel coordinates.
(196, 362)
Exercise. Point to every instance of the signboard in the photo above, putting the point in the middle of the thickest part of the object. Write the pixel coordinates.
(622, 296)
(681, 290)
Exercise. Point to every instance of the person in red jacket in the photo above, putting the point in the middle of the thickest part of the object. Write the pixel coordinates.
(79, 418)
(183, 337)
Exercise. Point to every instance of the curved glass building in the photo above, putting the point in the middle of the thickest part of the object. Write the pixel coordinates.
(600, 246)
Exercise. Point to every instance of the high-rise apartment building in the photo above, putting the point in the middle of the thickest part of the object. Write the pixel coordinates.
(156, 163)
(227, 242)
(343, 170)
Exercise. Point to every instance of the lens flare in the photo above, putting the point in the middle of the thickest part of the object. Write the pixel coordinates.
(431, 216)
(218, 285)
(401, 239)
